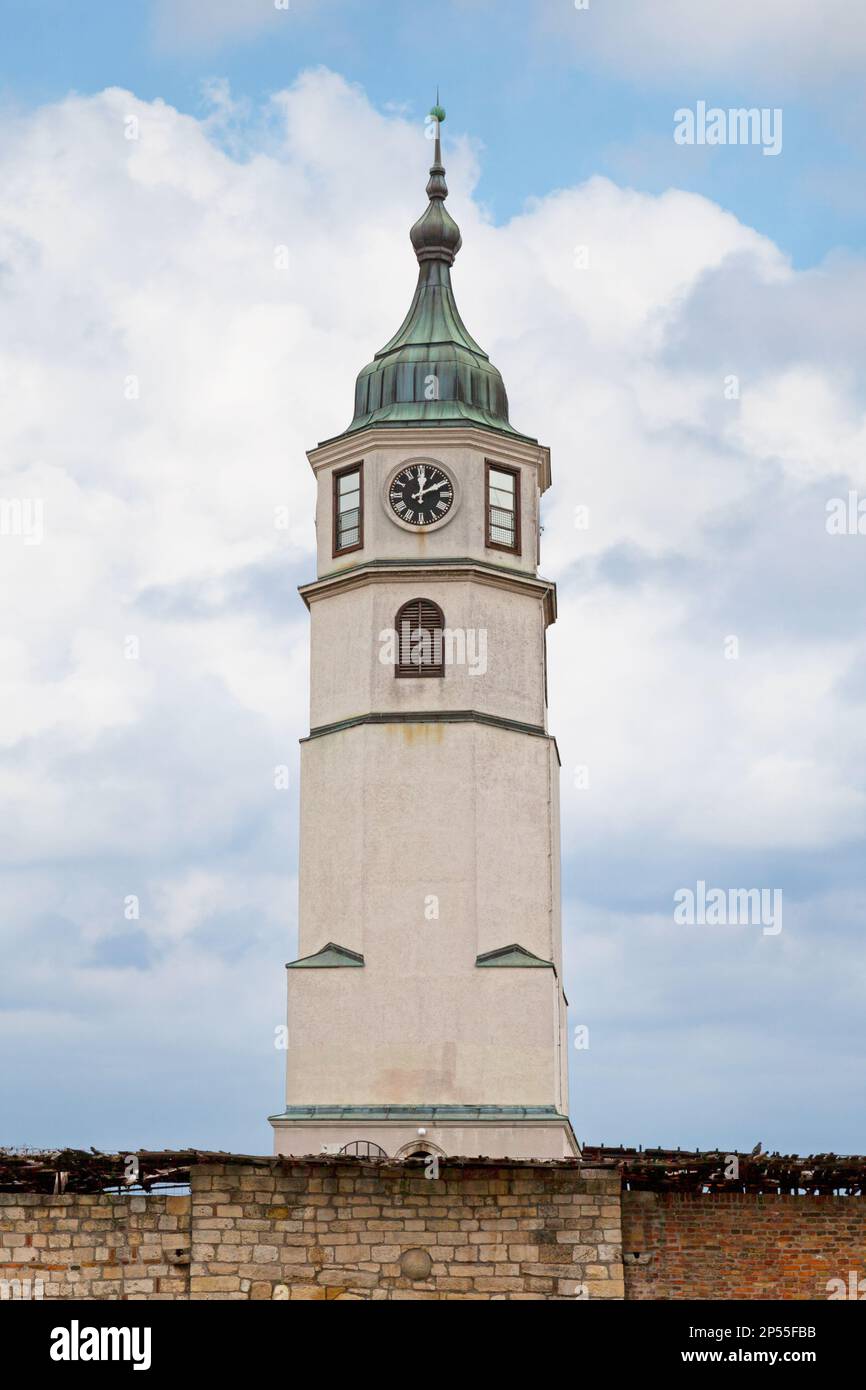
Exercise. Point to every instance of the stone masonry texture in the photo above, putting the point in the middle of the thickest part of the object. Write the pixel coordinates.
(94, 1247)
(310, 1231)
(329, 1229)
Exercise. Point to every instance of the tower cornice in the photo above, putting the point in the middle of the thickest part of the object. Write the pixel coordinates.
(386, 571)
(507, 447)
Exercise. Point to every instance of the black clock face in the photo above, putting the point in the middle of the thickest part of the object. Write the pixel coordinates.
(421, 494)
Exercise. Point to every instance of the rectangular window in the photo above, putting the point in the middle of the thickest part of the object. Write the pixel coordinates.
(503, 507)
(349, 509)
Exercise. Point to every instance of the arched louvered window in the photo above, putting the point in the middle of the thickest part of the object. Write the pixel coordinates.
(420, 627)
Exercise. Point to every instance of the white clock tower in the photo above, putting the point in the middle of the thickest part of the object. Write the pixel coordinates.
(426, 1011)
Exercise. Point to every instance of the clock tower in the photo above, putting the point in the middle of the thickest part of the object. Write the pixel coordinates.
(426, 1011)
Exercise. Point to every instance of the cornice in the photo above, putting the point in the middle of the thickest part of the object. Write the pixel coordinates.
(439, 716)
(385, 571)
(441, 1114)
(346, 448)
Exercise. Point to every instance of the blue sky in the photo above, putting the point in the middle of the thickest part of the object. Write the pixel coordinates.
(524, 79)
(151, 261)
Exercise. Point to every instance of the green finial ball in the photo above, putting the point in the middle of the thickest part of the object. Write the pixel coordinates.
(437, 112)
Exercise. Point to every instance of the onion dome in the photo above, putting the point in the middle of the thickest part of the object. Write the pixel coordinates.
(432, 370)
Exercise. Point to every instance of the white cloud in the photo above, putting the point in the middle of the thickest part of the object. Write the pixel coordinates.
(778, 41)
(210, 23)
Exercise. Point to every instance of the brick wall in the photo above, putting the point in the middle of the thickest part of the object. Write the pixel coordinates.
(318, 1230)
(739, 1246)
(94, 1247)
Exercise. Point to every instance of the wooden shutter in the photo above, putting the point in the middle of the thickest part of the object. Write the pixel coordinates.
(420, 627)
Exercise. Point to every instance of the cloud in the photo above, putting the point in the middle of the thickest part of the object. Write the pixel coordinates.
(207, 24)
(775, 42)
(177, 325)
(695, 1014)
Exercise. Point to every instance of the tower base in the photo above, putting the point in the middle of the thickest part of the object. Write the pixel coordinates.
(398, 1131)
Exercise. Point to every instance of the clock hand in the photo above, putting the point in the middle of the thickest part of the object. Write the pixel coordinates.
(434, 487)
(421, 480)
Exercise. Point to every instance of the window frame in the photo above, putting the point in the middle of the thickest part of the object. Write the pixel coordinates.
(338, 473)
(517, 474)
(433, 672)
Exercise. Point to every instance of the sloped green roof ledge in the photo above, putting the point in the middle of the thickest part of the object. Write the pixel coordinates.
(329, 958)
(428, 561)
(514, 955)
(462, 417)
(437, 716)
(421, 1112)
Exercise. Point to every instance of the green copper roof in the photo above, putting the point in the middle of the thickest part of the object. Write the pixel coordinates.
(443, 1113)
(432, 371)
(513, 955)
(328, 958)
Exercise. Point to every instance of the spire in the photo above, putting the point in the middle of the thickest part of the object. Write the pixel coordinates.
(432, 371)
(436, 236)
(437, 188)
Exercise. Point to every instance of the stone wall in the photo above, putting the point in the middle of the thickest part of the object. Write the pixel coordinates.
(737, 1245)
(324, 1229)
(309, 1229)
(94, 1247)
(341, 1228)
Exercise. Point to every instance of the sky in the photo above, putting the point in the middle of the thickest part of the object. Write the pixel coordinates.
(680, 323)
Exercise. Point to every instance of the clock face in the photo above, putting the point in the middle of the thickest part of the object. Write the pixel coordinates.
(421, 494)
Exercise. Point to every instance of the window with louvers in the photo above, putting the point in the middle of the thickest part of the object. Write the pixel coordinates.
(420, 627)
